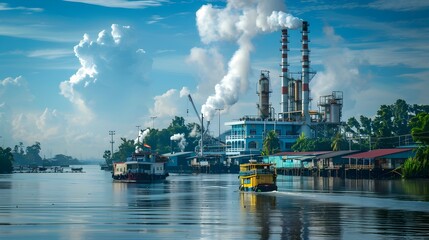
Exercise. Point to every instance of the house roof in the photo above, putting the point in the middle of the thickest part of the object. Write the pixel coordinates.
(336, 154)
(300, 153)
(378, 153)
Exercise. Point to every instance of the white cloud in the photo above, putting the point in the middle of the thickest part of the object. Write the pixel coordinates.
(341, 72)
(155, 19)
(165, 105)
(50, 53)
(209, 65)
(32, 127)
(6, 7)
(122, 3)
(14, 91)
(114, 65)
(18, 81)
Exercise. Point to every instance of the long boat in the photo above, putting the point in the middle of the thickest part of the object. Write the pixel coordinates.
(144, 166)
(258, 177)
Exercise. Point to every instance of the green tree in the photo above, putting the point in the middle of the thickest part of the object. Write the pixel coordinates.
(338, 142)
(271, 143)
(419, 165)
(32, 154)
(6, 160)
(126, 148)
(108, 157)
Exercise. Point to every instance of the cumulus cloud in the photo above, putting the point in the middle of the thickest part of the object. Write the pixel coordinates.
(341, 71)
(165, 104)
(31, 127)
(14, 91)
(113, 65)
(239, 21)
(210, 66)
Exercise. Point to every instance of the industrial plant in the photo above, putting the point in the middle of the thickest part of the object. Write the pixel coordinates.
(247, 134)
(295, 116)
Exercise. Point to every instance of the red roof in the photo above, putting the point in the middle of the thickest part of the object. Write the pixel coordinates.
(378, 153)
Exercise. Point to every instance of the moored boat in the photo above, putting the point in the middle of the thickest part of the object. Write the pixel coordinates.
(258, 177)
(142, 167)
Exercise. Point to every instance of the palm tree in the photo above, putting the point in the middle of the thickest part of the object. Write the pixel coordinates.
(271, 143)
(337, 142)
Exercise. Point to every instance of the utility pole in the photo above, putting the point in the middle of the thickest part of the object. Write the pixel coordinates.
(111, 133)
(219, 109)
(153, 117)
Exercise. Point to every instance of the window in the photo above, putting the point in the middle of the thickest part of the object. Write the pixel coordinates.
(252, 131)
(252, 144)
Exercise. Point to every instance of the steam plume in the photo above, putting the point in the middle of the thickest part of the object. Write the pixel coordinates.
(239, 21)
(142, 135)
(180, 137)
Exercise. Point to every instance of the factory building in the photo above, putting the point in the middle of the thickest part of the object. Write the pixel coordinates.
(295, 117)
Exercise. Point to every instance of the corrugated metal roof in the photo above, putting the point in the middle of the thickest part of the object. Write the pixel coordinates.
(378, 153)
(300, 153)
(336, 154)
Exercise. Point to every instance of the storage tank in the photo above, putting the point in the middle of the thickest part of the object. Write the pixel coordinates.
(335, 110)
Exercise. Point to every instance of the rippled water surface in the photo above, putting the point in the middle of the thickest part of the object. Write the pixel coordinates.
(90, 206)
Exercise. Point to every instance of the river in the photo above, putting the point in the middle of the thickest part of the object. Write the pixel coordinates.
(90, 206)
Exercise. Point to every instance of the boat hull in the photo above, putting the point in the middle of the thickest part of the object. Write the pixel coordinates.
(140, 178)
(259, 188)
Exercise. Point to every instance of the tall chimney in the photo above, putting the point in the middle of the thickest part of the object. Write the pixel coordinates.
(305, 77)
(284, 73)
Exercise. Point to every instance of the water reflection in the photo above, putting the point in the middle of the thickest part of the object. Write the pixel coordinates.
(90, 206)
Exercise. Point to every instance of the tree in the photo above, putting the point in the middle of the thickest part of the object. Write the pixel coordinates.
(6, 160)
(32, 154)
(108, 157)
(126, 149)
(338, 142)
(271, 143)
(419, 165)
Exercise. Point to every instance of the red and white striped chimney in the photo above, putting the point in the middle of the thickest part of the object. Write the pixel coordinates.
(305, 72)
(284, 72)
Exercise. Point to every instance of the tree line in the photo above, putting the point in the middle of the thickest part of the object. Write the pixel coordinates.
(22, 155)
(158, 140)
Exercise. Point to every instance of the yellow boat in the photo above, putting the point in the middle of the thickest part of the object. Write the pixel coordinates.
(258, 177)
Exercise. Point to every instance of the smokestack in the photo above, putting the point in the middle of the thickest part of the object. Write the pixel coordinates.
(305, 72)
(284, 73)
(305, 78)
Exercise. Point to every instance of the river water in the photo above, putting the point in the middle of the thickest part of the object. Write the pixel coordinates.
(90, 206)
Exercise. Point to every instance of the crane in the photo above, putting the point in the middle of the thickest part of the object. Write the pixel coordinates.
(200, 118)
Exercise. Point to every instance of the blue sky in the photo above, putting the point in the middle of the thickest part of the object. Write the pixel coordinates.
(72, 70)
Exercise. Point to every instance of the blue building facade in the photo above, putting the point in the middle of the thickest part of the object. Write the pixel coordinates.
(247, 135)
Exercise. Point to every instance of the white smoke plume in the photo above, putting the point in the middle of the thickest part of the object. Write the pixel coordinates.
(194, 132)
(239, 21)
(142, 135)
(180, 137)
